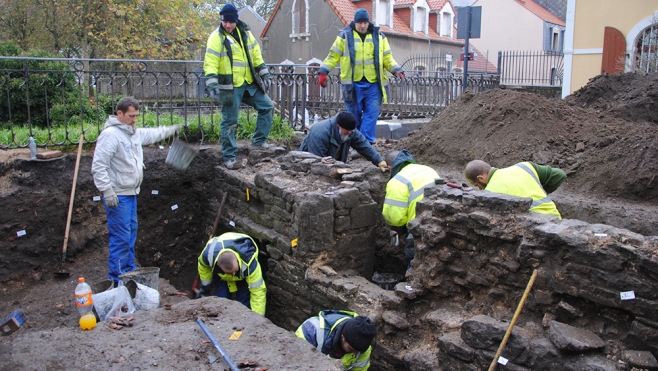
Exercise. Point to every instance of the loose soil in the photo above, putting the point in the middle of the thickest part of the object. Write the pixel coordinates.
(605, 137)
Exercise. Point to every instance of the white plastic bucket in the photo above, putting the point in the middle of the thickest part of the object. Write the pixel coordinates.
(144, 297)
(181, 154)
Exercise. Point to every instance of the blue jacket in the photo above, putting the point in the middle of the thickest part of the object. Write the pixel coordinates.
(322, 141)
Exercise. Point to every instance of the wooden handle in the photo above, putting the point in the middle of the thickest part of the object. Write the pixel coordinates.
(75, 181)
(511, 324)
(219, 213)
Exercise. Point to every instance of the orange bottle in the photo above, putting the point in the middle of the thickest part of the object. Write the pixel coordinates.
(84, 303)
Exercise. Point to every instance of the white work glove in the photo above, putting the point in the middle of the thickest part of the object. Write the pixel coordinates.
(328, 160)
(111, 199)
(383, 166)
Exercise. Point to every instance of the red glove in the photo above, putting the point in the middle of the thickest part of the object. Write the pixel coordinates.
(401, 75)
(322, 80)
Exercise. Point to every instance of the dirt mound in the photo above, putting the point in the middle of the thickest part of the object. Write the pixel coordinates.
(603, 155)
(630, 96)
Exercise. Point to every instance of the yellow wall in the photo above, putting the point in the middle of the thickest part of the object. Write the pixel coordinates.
(590, 19)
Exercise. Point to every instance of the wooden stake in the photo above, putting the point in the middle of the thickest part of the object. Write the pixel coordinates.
(75, 181)
(511, 325)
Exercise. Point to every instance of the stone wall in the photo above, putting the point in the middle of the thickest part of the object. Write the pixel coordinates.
(475, 252)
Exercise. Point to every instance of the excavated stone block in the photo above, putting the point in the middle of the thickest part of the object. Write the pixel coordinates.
(452, 344)
(421, 360)
(544, 356)
(346, 198)
(640, 359)
(364, 216)
(445, 319)
(484, 332)
(396, 320)
(589, 363)
(566, 337)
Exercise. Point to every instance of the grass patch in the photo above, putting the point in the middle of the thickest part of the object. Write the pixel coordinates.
(196, 128)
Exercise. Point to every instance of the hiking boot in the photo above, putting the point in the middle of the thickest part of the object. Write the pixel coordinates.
(232, 164)
(261, 146)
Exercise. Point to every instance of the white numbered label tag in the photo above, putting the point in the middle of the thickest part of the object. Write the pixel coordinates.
(154, 192)
(21, 233)
(627, 295)
(96, 198)
(174, 207)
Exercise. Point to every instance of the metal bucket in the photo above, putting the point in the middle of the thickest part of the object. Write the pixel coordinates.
(181, 154)
(144, 297)
(148, 276)
(387, 281)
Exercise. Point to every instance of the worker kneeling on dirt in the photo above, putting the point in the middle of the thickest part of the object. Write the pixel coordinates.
(405, 188)
(341, 334)
(525, 179)
(234, 259)
(335, 136)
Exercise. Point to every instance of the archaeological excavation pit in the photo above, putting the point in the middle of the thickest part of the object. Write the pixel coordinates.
(322, 237)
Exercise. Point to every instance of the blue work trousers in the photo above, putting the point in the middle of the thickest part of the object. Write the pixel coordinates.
(365, 106)
(252, 95)
(122, 232)
(242, 295)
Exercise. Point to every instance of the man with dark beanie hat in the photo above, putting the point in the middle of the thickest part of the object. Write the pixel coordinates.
(236, 73)
(342, 335)
(335, 136)
(365, 58)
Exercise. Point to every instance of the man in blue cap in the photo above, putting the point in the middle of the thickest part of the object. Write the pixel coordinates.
(234, 67)
(364, 56)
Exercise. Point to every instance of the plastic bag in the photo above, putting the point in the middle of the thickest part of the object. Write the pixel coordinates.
(123, 304)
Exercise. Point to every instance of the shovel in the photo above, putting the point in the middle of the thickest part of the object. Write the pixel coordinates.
(212, 234)
(62, 272)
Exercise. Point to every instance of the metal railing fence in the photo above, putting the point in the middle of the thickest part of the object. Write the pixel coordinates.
(531, 68)
(74, 97)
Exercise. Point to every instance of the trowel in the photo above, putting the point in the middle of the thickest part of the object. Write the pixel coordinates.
(61, 271)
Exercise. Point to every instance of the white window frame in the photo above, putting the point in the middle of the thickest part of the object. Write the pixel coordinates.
(420, 18)
(382, 11)
(295, 34)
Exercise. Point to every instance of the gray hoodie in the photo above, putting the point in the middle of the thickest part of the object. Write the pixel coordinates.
(118, 159)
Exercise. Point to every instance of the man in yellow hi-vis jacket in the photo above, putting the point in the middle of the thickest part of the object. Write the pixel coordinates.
(405, 188)
(233, 258)
(525, 179)
(234, 67)
(365, 57)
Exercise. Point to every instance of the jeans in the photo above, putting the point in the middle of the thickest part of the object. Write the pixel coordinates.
(365, 107)
(252, 95)
(122, 233)
(242, 295)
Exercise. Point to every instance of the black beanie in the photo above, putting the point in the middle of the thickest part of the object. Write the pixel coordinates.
(229, 13)
(346, 120)
(359, 332)
(361, 15)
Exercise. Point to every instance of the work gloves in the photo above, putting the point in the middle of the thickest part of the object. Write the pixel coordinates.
(267, 80)
(322, 80)
(111, 199)
(400, 75)
(383, 166)
(204, 290)
(224, 97)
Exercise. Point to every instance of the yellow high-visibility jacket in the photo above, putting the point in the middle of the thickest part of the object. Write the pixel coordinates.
(370, 58)
(246, 251)
(231, 62)
(321, 331)
(522, 180)
(405, 189)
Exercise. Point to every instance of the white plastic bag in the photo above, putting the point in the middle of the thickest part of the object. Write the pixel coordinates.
(123, 304)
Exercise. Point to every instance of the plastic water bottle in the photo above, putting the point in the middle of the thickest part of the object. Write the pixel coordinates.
(316, 118)
(84, 303)
(33, 149)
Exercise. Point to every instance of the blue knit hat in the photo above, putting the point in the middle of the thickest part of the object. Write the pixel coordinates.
(361, 15)
(229, 13)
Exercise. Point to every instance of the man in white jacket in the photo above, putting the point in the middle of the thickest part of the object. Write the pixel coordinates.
(118, 170)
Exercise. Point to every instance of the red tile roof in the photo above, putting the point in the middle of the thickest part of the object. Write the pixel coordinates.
(541, 12)
(345, 10)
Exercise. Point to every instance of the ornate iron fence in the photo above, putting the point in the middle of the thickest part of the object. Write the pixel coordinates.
(74, 97)
(531, 68)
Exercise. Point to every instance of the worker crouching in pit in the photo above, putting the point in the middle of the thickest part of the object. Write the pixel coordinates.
(341, 334)
(231, 262)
